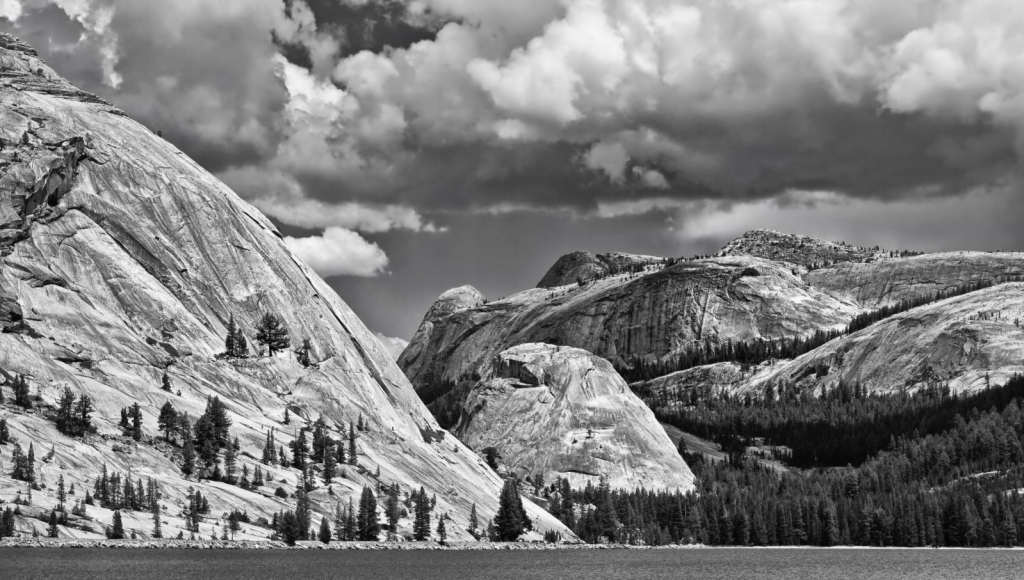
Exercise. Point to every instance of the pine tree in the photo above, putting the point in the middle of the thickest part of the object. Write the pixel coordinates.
(421, 522)
(116, 532)
(5, 434)
(157, 529)
(442, 533)
(241, 344)
(291, 531)
(257, 477)
(229, 341)
(62, 495)
(300, 450)
(510, 521)
(368, 526)
(392, 508)
(473, 522)
(165, 383)
(234, 523)
(353, 456)
(325, 531)
(303, 512)
(330, 462)
(30, 464)
(188, 457)
(52, 530)
(136, 414)
(339, 522)
(351, 530)
(168, 420)
(269, 449)
(124, 425)
(272, 333)
(231, 461)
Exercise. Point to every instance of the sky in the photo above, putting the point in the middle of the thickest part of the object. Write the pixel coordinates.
(405, 147)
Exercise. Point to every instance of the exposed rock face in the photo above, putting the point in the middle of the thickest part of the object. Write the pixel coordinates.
(563, 412)
(876, 284)
(655, 315)
(957, 341)
(796, 249)
(586, 266)
(450, 302)
(123, 260)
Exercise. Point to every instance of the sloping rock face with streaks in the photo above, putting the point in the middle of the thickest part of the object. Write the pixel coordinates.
(563, 412)
(966, 342)
(121, 260)
(656, 315)
(885, 282)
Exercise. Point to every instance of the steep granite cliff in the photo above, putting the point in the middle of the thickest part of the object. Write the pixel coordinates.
(563, 412)
(122, 260)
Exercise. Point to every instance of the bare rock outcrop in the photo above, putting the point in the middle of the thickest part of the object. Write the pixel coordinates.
(122, 260)
(576, 266)
(563, 412)
(796, 249)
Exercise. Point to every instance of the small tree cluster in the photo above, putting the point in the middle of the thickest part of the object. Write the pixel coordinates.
(421, 518)
(235, 344)
(24, 464)
(118, 492)
(73, 414)
(131, 422)
(7, 523)
(20, 387)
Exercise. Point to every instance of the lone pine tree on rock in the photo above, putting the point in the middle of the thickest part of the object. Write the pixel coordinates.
(272, 333)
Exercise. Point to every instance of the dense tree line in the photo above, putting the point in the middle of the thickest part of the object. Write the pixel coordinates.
(843, 426)
(754, 352)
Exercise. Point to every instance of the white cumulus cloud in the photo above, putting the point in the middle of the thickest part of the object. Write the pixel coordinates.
(339, 252)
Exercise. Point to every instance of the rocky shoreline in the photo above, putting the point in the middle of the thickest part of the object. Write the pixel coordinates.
(309, 545)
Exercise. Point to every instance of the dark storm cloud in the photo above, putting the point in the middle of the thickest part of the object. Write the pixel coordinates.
(397, 118)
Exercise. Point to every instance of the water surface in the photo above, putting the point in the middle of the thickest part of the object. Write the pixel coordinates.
(710, 564)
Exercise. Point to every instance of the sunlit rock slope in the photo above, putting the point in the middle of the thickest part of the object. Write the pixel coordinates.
(563, 412)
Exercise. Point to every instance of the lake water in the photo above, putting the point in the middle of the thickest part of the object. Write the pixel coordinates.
(709, 564)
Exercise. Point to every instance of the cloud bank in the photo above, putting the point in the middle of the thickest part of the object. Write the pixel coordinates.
(339, 252)
(375, 116)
